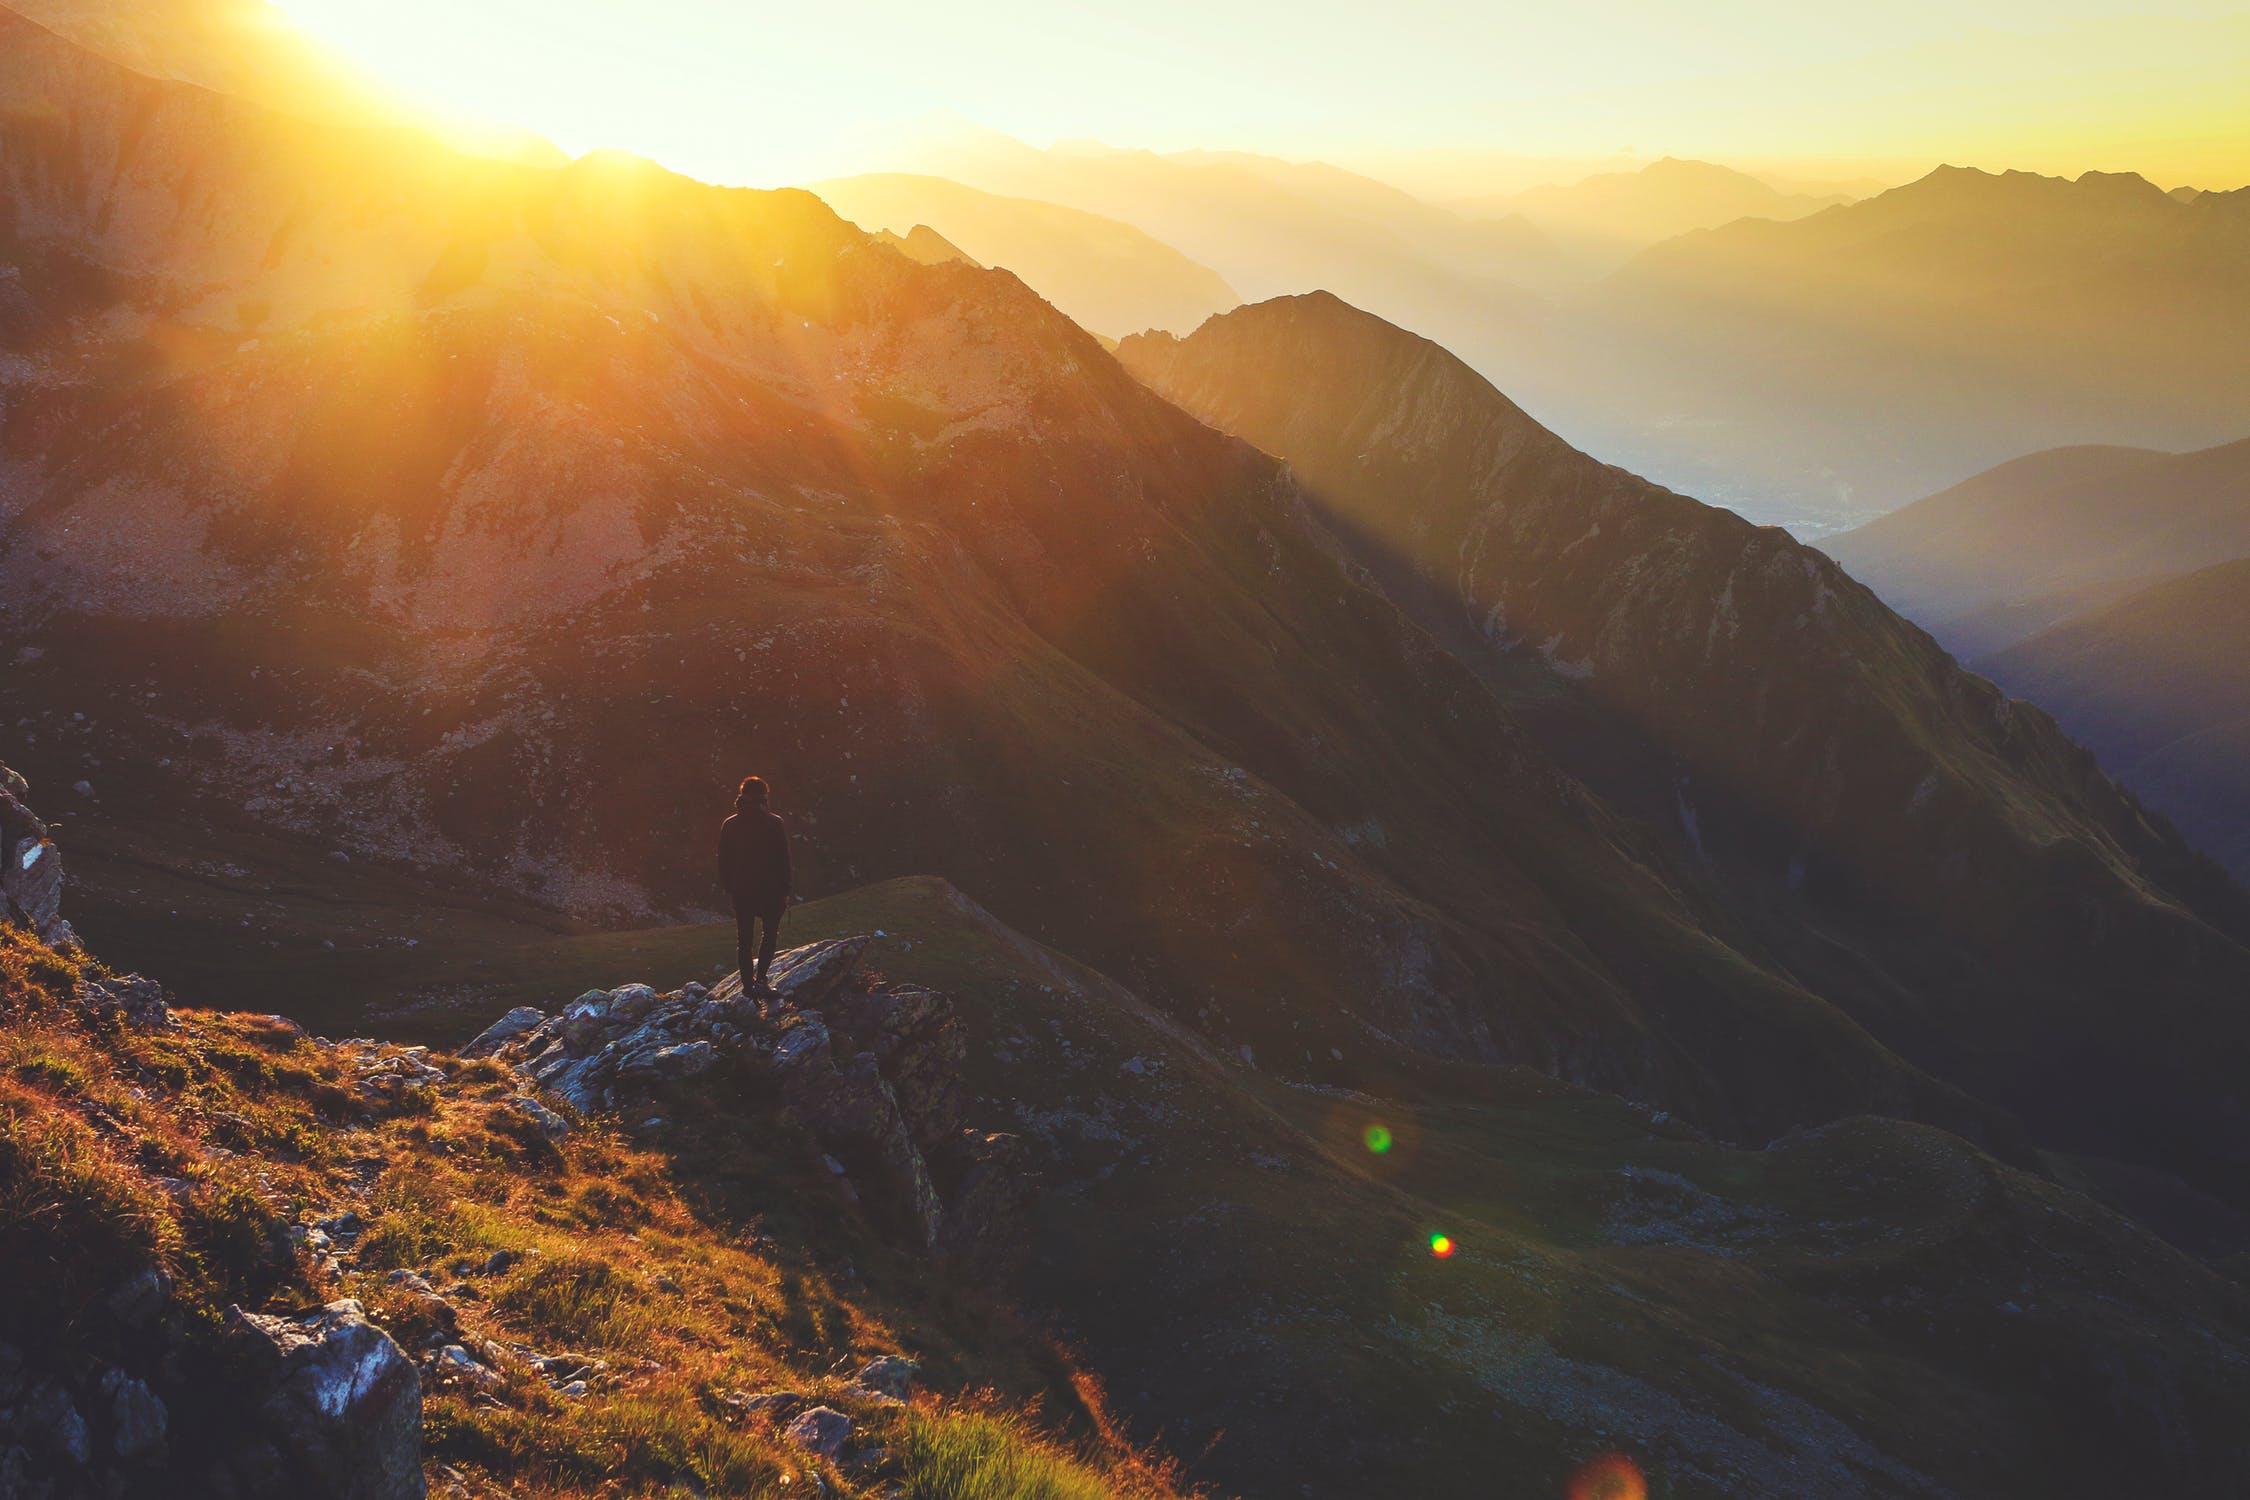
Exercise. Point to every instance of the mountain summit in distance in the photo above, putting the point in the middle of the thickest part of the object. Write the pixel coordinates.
(1320, 940)
(1871, 353)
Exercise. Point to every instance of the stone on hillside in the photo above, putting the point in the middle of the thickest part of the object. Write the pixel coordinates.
(804, 977)
(136, 1417)
(503, 1031)
(30, 866)
(551, 1125)
(803, 1048)
(981, 1233)
(138, 1300)
(889, 1376)
(822, 1431)
(668, 1063)
(342, 1403)
(134, 999)
(55, 1426)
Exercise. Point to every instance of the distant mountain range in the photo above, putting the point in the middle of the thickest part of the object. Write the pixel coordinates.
(1865, 355)
(2158, 685)
(2038, 539)
(1110, 277)
(376, 519)
(2084, 580)
(1270, 227)
(1601, 222)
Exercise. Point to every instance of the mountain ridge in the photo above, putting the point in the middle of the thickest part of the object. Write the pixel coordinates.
(1680, 624)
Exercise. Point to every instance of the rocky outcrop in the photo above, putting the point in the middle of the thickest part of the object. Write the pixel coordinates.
(872, 1069)
(30, 865)
(342, 1409)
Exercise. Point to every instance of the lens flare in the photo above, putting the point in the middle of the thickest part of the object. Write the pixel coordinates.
(1612, 1476)
(1441, 1245)
(1378, 1138)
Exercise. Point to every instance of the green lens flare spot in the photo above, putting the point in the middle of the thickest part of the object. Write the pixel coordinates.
(1378, 1138)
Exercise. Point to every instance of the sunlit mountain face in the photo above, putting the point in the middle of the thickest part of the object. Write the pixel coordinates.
(1349, 943)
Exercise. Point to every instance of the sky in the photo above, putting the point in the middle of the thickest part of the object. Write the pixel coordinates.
(1453, 90)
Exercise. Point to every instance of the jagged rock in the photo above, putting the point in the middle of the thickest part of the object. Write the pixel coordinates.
(876, 1075)
(804, 977)
(889, 1375)
(981, 1232)
(134, 999)
(452, 1362)
(136, 1417)
(803, 1048)
(30, 865)
(55, 1426)
(551, 1125)
(856, 1107)
(822, 1431)
(503, 1031)
(342, 1402)
(142, 1297)
(777, 1405)
(668, 1062)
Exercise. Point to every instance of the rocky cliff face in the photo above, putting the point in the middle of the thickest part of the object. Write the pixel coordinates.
(30, 865)
(1988, 902)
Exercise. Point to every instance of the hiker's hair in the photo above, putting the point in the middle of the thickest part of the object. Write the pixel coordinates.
(753, 789)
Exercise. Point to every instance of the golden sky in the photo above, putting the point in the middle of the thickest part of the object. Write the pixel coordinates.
(766, 94)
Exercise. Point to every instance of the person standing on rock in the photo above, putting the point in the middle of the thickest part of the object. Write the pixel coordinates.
(754, 867)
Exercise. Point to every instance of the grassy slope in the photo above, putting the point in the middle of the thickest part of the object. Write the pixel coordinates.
(1835, 1314)
(690, 1280)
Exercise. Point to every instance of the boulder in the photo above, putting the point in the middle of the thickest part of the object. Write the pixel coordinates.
(341, 1402)
(133, 999)
(551, 1125)
(889, 1375)
(503, 1031)
(668, 1062)
(982, 1230)
(822, 1431)
(136, 1417)
(30, 866)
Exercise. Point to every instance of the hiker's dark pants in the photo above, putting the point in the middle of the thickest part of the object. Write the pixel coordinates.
(754, 958)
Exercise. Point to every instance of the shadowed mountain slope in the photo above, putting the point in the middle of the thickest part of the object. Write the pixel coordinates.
(1866, 355)
(1833, 771)
(1108, 276)
(413, 543)
(2158, 685)
(2049, 536)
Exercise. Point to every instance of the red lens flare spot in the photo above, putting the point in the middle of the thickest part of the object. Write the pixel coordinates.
(1612, 1476)
(1441, 1245)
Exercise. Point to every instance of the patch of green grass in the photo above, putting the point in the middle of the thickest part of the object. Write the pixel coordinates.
(579, 1299)
(992, 1455)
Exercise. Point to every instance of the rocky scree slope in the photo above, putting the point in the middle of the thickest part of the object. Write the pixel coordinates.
(248, 1262)
(1927, 855)
(392, 541)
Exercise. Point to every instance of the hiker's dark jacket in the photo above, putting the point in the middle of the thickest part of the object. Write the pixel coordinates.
(754, 859)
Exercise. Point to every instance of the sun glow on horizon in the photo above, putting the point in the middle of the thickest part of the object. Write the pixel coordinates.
(767, 95)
